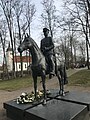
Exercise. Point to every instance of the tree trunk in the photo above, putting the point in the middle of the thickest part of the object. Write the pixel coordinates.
(15, 53)
(4, 59)
(20, 44)
(87, 51)
(13, 71)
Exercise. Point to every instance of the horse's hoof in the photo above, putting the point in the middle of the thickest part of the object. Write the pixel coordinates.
(61, 93)
(50, 76)
(44, 102)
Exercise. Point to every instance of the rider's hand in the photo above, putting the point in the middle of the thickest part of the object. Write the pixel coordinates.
(46, 48)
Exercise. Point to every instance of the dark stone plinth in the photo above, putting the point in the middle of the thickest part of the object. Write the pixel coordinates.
(57, 110)
(16, 111)
(53, 93)
(77, 97)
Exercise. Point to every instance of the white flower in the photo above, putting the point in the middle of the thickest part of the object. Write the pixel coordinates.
(23, 94)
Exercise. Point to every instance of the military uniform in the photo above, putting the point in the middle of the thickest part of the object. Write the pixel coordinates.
(47, 48)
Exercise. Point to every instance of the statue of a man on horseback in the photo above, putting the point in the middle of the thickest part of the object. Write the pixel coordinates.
(38, 66)
(47, 48)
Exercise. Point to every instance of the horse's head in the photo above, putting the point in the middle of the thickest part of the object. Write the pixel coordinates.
(26, 44)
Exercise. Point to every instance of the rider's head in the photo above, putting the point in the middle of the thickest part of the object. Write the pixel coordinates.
(45, 31)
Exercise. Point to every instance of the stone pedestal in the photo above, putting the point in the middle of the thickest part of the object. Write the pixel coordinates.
(77, 97)
(73, 106)
(57, 110)
(17, 111)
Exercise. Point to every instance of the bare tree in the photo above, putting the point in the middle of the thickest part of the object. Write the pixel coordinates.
(15, 49)
(88, 5)
(78, 10)
(82, 48)
(75, 49)
(18, 6)
(29, 14)
(3, 35)
(48, 16)
(6, 6)
(68, 26)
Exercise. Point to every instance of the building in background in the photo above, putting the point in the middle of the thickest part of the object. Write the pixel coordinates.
(25, 59)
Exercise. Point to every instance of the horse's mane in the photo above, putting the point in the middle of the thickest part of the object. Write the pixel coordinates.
(34, 43)
(36, 46)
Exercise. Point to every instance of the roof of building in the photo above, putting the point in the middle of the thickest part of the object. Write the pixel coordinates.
(9, 48)
(24, 59)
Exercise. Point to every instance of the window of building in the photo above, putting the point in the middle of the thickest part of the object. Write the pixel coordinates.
(19, 66)
(25, 66)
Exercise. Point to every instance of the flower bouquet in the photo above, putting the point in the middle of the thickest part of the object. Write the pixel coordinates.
(30, 97)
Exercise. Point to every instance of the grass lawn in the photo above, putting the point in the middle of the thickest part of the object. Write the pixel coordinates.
(15, 84)
(81, 78)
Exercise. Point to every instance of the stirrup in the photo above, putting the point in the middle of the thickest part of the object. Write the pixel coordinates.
(51, 75)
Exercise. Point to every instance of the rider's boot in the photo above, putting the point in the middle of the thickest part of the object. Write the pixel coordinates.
(51, 75)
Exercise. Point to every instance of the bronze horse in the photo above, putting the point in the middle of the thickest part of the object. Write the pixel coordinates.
(39, 67)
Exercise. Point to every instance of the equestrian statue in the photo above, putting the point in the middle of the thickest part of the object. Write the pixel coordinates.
(40, 66)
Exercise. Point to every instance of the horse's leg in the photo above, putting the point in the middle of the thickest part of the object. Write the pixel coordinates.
(61, 80)
(65, 76)
(44, 86)
(35, 85)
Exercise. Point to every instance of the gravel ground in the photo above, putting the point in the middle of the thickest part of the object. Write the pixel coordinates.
(51, 84)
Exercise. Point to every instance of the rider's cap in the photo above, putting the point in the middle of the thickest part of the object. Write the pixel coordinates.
(45, 29)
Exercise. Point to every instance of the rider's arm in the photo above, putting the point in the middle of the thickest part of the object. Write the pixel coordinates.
(42, 47)
(51, 45)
